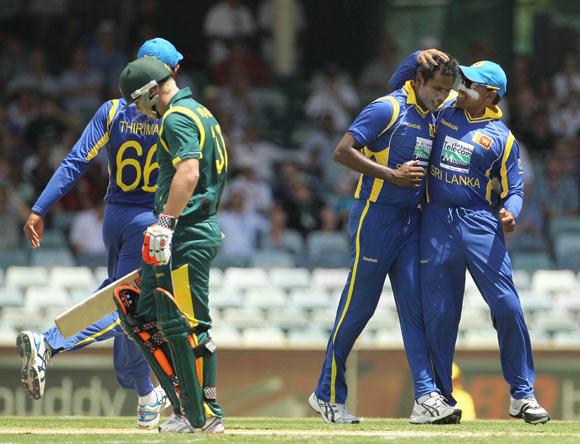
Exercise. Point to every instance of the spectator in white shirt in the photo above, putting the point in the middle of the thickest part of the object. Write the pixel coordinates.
(333, 94)
(86, 235)
(225, 22)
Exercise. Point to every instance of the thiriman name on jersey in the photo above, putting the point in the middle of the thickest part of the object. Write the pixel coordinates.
(455, 179)
(144, 128)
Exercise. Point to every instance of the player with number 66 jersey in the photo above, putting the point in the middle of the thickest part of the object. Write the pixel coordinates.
(130, 140)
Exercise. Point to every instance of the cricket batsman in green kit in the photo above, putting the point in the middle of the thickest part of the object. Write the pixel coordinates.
(168, 317)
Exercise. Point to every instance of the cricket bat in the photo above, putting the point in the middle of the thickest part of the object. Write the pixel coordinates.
(93, 308)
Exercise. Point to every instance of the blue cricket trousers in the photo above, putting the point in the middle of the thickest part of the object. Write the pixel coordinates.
(384, 239)
(123, 229)
(451, 240)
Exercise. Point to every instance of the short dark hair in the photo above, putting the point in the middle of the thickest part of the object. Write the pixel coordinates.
(447, 68)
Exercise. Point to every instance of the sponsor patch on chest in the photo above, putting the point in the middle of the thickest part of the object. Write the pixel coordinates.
(456, 155)
(482, 139)
(422, 151)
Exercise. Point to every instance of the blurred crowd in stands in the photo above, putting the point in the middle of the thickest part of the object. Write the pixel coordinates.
(287, 202)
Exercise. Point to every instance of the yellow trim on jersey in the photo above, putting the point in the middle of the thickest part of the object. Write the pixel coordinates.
(489, 188)
(112, 111)
(503, 172)
(358, 186)
(176, 160)
(180, 279)
(103, 140)
(368, 153)
(490, 114)
(163, 144)
(396, 110)
(382, 158)
(412, 98)
(189, 113)
(96, 335)
(348, 299)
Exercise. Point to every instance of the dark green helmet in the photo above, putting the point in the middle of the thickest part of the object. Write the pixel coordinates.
(140, 76)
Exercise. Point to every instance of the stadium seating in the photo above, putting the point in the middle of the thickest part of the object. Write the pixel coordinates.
(101, 274)
(265, 298)
(288, 319)
(225, 298)
(294, 303)
(522, 280)
(22, 277)
(11, 297)
(243, 278)
(263, 337)
(18, 258)
(567, 250)
(328, 249)
(554, 281)
(330, 279)
(37, 298)
(564, 225)
(533, 302)
(54, 238)
(531, 262)
(309, 299)
(272, 258)
(290, 277)
(555, 322)
(390, 338)
(72, 277)
(244, 317)
(216, 277)
(311, 337)
(224, 335)
(52, 257)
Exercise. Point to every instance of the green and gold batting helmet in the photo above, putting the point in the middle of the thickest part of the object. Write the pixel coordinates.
(140, 76)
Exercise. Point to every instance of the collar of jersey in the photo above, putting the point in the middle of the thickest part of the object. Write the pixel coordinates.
(490, 114)
(181, 94)
(412, 98)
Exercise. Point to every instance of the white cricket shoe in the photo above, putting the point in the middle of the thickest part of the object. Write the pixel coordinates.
(332, 413)
(35, 357)
(529, 409)
(149, 413)
(434, 409)
(180, 424)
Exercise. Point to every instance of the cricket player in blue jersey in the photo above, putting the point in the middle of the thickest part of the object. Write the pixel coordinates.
(459, 230)
(130, 139)
(389, 143)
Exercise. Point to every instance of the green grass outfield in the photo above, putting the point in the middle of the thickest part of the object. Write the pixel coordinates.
(64, 430)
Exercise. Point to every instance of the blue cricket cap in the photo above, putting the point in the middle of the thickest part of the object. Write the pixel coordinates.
(488, 74)
(161, 49)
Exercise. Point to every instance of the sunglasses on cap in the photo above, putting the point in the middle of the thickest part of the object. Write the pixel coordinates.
(470, 85)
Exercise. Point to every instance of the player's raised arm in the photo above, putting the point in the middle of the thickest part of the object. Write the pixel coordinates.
(370, 124)
(408, 67)
(93, 139)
